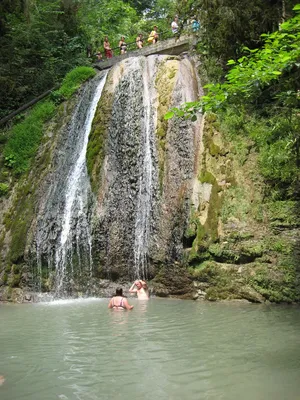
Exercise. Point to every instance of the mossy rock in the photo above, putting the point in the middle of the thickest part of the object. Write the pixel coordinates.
(97, 139)
(165, 81)
(223, 254)
(249, 252)
(238, 236)
(214, 149)
(207, 177)
(4, 189)
(283, 213)
(281, 283)
(175, 279)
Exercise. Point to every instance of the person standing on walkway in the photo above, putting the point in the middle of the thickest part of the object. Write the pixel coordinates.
(195, 25)
(122, 45)
(153, 37)
(107, 49)
(139, 41)
(175, 26)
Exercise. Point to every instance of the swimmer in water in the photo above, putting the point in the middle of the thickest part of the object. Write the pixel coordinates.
(141, 290)
(119, 302)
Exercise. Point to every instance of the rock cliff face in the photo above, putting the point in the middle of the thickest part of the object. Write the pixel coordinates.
(124, 215)
(238, 245)
(142, 180)
(118, 192)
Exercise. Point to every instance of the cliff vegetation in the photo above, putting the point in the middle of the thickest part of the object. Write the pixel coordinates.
(243, 237)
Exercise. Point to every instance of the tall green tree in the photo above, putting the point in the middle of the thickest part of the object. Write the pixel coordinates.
(36, 50)
(229, 25)
(260, 98)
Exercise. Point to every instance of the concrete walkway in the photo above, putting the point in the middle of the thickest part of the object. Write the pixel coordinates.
(169, 47)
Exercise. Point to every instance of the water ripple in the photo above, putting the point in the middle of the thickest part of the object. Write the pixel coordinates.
(165, 349)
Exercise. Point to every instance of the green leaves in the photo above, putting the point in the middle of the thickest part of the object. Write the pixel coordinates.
(250, 76)
(25, 137)
(73, 80)
(169, 115)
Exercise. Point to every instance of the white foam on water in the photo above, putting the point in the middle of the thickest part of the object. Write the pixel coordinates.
(60, 302)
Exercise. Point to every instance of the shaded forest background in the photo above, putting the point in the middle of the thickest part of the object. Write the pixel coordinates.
(42, 40)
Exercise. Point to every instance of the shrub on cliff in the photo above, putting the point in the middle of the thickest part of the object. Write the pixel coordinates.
(24, 138)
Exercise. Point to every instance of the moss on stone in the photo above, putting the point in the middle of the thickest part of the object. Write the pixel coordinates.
(212, 221)
(8, 269)
(248, 260)
(173, 280)
(282, 213)
(14, 281)
(19, 218)
(235, 204)
(97, 139)
(172, 73)
(197, 271)
(250, 251)
(214, 149)
(222, 282)
(281, 283)
(5, 278)
(223, 254)
(279, 245)
(4, 188)
(237, 236)
(207, 177)
(165, 81)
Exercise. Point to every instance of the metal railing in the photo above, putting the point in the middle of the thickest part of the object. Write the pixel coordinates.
(131, 46)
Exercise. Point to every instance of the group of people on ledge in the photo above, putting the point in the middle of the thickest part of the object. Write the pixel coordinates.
(119, 302)
(108, 51)
(152, 39)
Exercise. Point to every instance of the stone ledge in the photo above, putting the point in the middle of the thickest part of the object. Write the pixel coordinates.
(168, 47)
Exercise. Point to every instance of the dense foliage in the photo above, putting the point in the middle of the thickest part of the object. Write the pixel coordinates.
(227, 26)
(260, 98)
(25, 137)
(39, 44)
(42, 40)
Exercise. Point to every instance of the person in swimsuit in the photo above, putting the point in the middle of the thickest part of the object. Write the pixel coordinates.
(107, 49)
(153, 37)
(139, 41)
(118, 302)
(122, 46)
(175, 26)
(141, 290)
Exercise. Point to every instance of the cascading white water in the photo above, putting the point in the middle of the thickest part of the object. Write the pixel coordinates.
(142, 221)
(76, 200)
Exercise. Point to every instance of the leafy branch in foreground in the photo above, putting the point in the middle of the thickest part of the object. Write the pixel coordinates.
(272, 70)
(260, 98)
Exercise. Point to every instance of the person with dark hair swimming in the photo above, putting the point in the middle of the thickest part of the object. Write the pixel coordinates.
(119, 302)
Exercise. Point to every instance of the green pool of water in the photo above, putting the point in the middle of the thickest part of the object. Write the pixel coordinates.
(163, 349)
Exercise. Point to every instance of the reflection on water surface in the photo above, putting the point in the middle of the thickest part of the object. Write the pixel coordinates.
(163, 349)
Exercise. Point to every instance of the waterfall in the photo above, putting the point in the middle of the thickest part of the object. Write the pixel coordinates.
(76, 201)
(142, 221)
(132, 224)
(64, 239)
